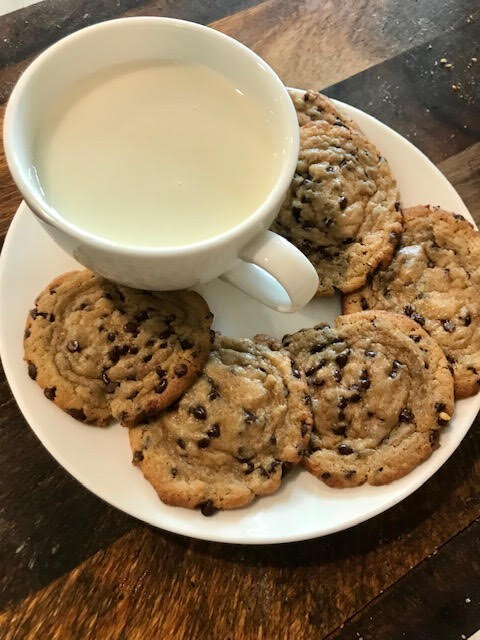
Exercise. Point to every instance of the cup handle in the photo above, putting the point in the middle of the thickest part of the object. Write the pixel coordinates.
(287, 265)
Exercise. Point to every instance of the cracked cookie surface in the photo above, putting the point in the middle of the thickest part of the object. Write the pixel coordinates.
(381, 391)
(231, 434)
(342, 209)
(434, 278)
(100, 349)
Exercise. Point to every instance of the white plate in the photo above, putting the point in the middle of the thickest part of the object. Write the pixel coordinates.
(100, 458)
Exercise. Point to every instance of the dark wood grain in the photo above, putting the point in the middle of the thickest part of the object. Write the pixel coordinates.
(72, 567)
(190, 589)
(443, 592)
(413, 93)
(48, 521)
(315, 43)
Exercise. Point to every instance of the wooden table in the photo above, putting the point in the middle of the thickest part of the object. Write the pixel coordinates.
(73, 567)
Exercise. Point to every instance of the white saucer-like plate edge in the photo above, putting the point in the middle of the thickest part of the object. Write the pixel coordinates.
(100, 458)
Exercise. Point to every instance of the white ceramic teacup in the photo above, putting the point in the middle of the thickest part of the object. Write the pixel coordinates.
(237, 254)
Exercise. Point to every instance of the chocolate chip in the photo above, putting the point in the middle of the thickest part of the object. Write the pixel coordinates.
(343, 203)
(32, 371)
(326, 475)
(344, 450)
(339, 430)
(161, 373)
(349, 474)
(181, 443)
(214, 431)
(262, 471)
(337, 375)
(207, 508)
(458, 216)
(249, 416)
(309, 372)
(107, 295)
(169, 319)
(308, 400)
(142, 316)
(414, 338)
(137, 457)
(440, 406)
(147, 358)
(397, 206)
(394, 370)
(272, 440)
(180, 370)
(111, 336)
(430, 264)
(26, 333)
(330, 169)
(341, 359)
(52, 291)
(213, 395)
(131, 327)
(114, 354)
(166, 333)
(317, 348)
(78, 414)
(73, 345)
(433, 437)
(296, 213)
(133, 395)
(467, 320)
(442, 422)
(295, 371)
(186, 344)
(342, 403)
(133, 350)
(198, 411)
(418, 319)
(370, 354)
(448, 325)
(203, 443)
(364, 380)
(83, 306)
(50, 392)
(51, 317)
(250, 468)
(408, 310)
(150, 342)
(348, 241)
(355, 398)
(161, 386)
(405, 415)
(174, 472)
(124, 349)
(328, 222)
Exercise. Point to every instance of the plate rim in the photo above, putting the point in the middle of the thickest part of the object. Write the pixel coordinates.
(179, 527)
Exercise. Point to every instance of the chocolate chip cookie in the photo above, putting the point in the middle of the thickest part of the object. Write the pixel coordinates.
(434, 279)
(313, 105)
(342, 209)
(232, 433)
(98, 349)
(381, 391)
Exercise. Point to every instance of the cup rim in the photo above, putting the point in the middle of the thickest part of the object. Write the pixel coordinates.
(50, 216)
